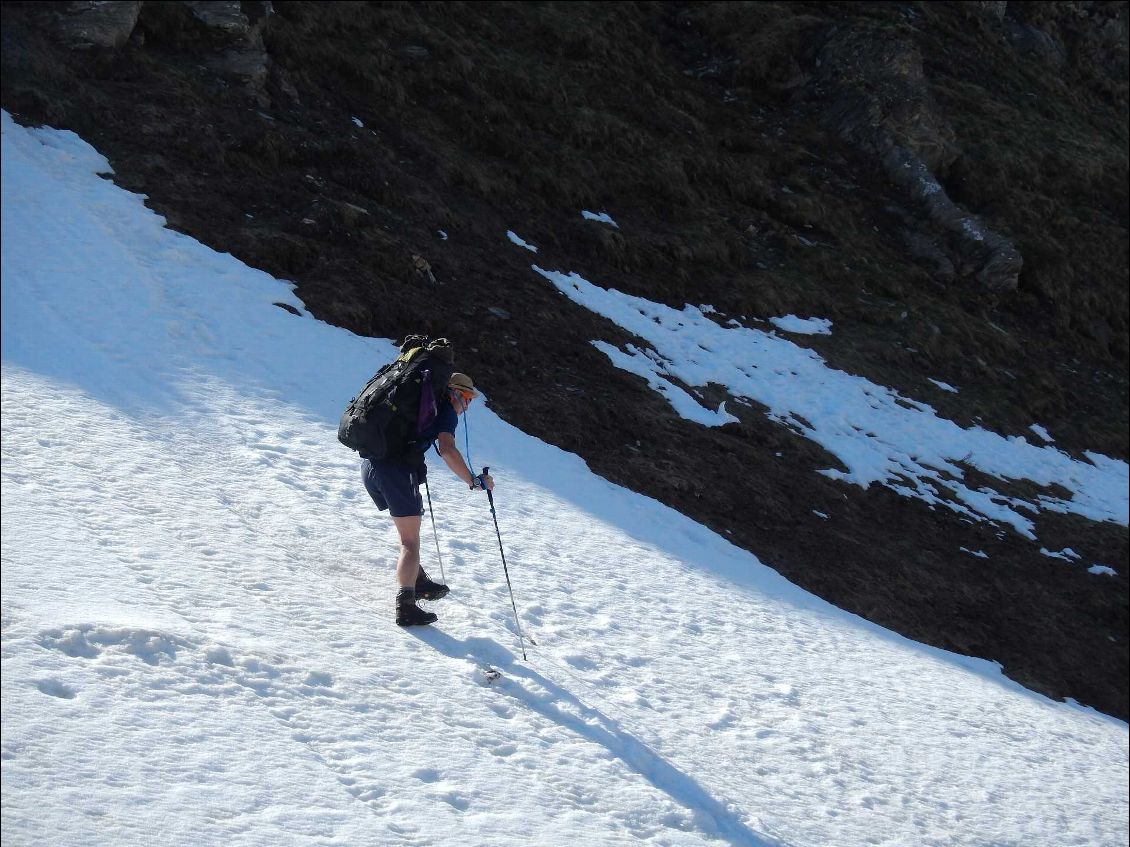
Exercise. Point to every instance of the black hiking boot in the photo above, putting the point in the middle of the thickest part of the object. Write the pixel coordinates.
(428, 590)
(413, 615)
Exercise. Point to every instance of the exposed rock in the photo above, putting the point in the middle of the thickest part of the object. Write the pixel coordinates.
(990, 8)
(877, 100)
(1033, 41)
(225, 18)
(92, 24)
(991, 258)
(227, 36)
(1089, 37)
(245, 60)
(423, 268)
(876, 95)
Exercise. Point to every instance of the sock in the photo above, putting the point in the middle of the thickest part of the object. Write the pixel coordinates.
(406, 597)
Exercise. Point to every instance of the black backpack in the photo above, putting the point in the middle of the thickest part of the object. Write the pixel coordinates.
(400, 401)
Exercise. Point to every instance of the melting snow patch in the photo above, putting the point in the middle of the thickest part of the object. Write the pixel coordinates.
(980, 554)
(442, 235)
(819, 514)
(878, 435)
(1102, 569)
(357, 122)
(650, 366)
(1043, 433)
(1067, 554)
(601, 216)
(943, 385)
(516, 239)
(803, 326)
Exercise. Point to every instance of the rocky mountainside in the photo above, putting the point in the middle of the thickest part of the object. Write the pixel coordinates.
(946, 182)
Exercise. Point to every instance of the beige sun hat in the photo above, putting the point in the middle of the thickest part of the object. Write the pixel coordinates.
(463, 383)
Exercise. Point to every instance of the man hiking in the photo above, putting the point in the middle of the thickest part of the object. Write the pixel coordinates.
(394, 484)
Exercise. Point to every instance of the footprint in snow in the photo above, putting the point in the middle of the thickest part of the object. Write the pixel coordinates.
(501, 710)
(56, 689)
(426, 775)
(457, 801)
(581, 663)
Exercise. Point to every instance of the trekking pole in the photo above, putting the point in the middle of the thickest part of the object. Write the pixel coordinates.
(435, 534)
(513, 605)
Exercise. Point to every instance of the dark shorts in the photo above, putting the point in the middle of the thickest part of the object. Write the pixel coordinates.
(394, 486)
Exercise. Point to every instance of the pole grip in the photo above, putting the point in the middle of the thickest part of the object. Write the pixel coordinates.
(490, 494)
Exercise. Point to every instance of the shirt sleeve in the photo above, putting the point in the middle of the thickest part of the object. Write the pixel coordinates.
(448, 420)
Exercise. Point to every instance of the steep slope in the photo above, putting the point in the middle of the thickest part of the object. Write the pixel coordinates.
(197, 644)
(751, 156)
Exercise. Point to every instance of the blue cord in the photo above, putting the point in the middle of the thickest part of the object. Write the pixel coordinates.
(467, 437)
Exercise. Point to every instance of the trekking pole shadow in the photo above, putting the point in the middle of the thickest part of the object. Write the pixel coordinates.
(710, 816)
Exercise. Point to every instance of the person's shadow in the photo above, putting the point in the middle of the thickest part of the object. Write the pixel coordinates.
(549, 699)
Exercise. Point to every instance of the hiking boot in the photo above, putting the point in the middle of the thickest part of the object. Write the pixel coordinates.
(428, 590)
(413, 615)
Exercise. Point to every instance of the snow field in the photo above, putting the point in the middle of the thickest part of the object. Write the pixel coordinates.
(198, 644)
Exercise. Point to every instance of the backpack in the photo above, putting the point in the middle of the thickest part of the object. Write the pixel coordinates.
(400, 401)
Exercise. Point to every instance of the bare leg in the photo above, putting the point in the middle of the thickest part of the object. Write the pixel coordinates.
(408, 565)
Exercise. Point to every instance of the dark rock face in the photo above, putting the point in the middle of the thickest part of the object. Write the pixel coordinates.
(946, 181)
(90, 24)
(226, 36)
(877, 99)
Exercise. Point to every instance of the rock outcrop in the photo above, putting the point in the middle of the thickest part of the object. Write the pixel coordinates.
(876, 99)
(236, 32)
(92, 24)
(227, 35)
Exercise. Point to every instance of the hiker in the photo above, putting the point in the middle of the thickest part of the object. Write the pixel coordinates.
(394, 484)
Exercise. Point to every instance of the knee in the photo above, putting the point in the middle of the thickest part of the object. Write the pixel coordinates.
(410, 546)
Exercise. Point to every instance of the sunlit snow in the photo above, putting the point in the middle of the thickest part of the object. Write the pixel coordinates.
(517, 239)
(945, 386)
(877, 434)
(602, 217)
(803, 326)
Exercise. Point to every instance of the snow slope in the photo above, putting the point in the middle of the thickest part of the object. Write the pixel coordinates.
(198, 644)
